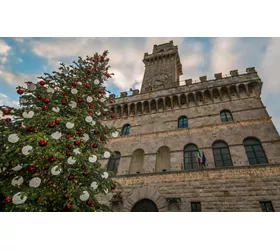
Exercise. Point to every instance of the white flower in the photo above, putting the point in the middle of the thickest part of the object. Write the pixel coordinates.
(31, 86)
(69, 125)
(105, 191)
(29, 114)
(56, 135)
(56, 109)
(84, 196)
(98, 113)
(104, 77)
(105, 175)
(35, 182)
(17, 199)
(17, 181)
(79, 83)
(71, 160)
(76, 151)
(74, 91)
(115, 134)
(72, 104)
(94, 185)
(85, 137)
(50, 90)
(107, 154)
(102, 99)
(17, 168)
(13, 138)
(92, 158)
(93, 123)
(89, 99)
(26, 150)
(56, 170)
(96, 81)
(105, 110)
(88, 119)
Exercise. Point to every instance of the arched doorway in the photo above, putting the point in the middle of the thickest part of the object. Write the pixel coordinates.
(145, 205)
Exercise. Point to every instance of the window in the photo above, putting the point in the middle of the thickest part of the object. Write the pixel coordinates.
(266, 206)
(226, 116)
(195, 207)
(254, 151)
(221, 153)
(114, 162)
(183, 122)
(191, 157)
(126, 129)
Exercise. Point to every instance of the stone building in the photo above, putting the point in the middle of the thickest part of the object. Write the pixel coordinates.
(165, 125)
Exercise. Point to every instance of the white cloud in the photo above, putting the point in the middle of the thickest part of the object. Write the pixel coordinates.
(16, 79)
(4, 48)
(20, 60)
(19, 39)
(4, 100)
(3, 59)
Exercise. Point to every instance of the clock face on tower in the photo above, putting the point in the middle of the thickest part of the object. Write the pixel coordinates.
(158, 80)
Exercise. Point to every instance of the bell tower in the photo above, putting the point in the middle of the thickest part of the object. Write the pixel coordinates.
(163, 68)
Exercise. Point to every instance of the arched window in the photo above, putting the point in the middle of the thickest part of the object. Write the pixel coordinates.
(163, 159)
(226, 116)
(126, 129)
(183, 122)
(114, 162)
(254, 151)
(137, 161)
(190, 156)
(221, 154)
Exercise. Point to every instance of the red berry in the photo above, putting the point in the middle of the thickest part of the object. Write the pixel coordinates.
(31, 168)
(46, 100)
(39, 97)
(80, 99)
(110, 101)
(57, 121)
(94, 145)
(89, 202)
(84, 167)
(96, 132)
(45, 108)
(101, 91)
(89, 70)
(71, 177)
(42, 83)
(112, 115)
(72, 70)
(42, 143)
(85, 173)
(91, 112)
(52, 159)
(90, 107)
(20, 91)
(102, 139)
(77, 142)
(104, 113)
(74, 83)
(69, 135)
(87, 85)
(66, 196)
(69, 206)
(8, 119)
(6, 111)
(69, 146)
(113, 187)
(63, 102)
(8, 199)
(51, 124)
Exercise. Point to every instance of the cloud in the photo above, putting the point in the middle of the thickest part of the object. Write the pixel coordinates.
(4, 48)
(4, 100)
(20, 60)
(16, 79)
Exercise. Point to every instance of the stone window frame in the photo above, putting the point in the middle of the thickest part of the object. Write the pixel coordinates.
(126, 129)
(183, 122)
(221, 154)
(226, 115)
(254, 151)
(266, 206)
(114, 162)
(193, 156)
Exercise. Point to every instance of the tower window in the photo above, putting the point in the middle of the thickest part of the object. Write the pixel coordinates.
(195, 207)
(226, 116)
(221, 154)
(183, 122)
(126, 129)
(114, 162)
(266, 206)
(254, 151)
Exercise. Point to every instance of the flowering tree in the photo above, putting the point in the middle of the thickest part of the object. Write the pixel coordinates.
(51, 146)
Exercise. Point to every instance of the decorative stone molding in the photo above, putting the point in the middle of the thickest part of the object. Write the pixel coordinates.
(176, 201)
(135, 92)
(123, 94)
(145, 192)
(251, 70)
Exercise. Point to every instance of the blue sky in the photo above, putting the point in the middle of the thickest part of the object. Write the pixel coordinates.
(23, 59)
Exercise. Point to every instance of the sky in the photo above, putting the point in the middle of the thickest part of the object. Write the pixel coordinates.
(24, 59)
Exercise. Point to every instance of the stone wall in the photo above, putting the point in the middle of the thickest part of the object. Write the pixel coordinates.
(228, 189)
